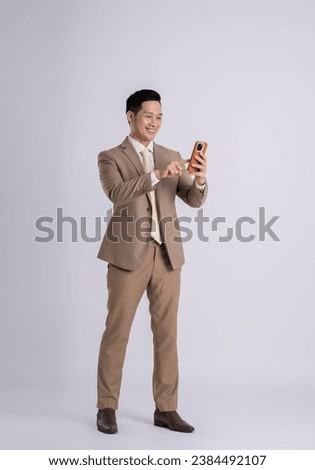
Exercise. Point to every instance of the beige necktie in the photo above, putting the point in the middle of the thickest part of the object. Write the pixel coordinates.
(148, 167)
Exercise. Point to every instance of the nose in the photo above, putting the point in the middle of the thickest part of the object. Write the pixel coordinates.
(154, 121)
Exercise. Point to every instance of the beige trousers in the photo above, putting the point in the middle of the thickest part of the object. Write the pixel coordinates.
(125, 289)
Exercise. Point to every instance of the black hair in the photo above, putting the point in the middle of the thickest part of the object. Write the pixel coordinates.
(135, 100)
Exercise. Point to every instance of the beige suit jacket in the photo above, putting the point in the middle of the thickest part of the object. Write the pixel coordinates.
(127, 185)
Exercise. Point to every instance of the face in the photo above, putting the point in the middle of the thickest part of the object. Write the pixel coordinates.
(146, 123)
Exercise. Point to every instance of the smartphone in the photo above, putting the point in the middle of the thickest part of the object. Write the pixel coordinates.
(199, 146)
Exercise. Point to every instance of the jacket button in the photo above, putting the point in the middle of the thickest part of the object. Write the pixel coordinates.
(148, 209)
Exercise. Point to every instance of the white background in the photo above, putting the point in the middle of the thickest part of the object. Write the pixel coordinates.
(239, 74)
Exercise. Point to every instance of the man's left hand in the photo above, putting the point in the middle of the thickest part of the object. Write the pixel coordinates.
(201, 169)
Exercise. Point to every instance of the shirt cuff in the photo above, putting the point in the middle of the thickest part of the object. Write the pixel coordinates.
(200, 187)
(154, 179)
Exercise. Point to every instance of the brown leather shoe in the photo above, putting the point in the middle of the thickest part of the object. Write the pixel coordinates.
(171, 420)
(106, 421)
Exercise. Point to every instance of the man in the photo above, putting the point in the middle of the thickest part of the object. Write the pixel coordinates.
(143, 248)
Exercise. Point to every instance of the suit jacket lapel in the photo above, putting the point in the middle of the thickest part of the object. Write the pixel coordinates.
(159, 160)
(130, 152)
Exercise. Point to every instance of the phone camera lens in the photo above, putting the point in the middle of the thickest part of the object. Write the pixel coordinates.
(199, 147)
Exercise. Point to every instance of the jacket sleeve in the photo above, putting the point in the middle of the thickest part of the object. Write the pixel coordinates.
(116, 189)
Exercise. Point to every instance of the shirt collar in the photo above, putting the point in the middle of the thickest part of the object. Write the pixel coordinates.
(138, 146)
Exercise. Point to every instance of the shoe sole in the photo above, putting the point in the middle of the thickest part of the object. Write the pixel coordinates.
(163, 425)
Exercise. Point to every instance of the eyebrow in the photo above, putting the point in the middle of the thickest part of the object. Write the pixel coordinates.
(149, 112)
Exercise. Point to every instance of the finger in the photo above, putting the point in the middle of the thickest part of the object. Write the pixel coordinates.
(198, 173)
(175, 164)
(201, 167)
(172, 175)
(199, 162)
(201, 158)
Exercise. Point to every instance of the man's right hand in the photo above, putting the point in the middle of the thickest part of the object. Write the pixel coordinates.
(174, 168)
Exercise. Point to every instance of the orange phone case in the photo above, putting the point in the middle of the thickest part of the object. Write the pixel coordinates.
(199, 146)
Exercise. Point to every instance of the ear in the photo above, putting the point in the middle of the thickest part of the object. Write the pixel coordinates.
(130, 116)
